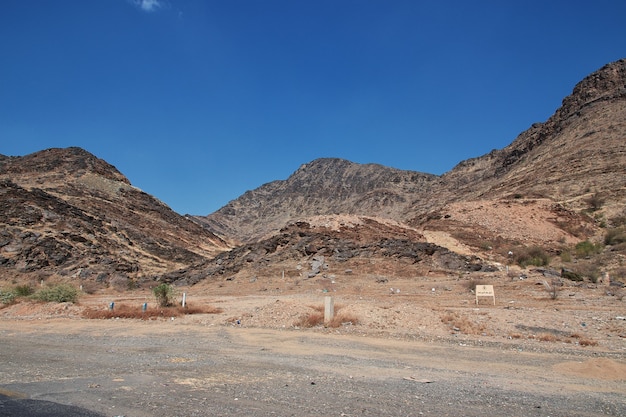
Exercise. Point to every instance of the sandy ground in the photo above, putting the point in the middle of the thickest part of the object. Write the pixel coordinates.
(428, 349)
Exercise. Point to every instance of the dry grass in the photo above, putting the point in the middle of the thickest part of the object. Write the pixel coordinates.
(316, 318)
(583, 341)
(462, 324)
(135, 312)
(343, 319)
(310, 320)
(547, 337)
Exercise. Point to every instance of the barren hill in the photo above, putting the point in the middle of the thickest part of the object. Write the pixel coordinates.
(322, 187)
(66, 212)
(578, 153)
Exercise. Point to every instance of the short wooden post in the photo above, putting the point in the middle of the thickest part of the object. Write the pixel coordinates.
(329, 309)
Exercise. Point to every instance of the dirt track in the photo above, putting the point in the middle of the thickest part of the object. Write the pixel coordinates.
(179, 368)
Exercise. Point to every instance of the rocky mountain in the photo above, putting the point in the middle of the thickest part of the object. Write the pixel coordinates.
(65, 212)
(322, 187)
(577, 153)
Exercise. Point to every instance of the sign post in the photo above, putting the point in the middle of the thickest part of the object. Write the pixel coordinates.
(485, 291)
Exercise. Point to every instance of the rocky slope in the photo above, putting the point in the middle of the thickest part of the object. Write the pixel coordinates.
(66, 212)
(578, 153)
(321, 187)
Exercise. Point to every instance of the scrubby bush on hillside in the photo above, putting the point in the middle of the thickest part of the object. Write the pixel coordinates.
(61, 293)
(7, 297)
(615, 236)
(587, 248)
(23, 290)
(532, 256)
(595, 201)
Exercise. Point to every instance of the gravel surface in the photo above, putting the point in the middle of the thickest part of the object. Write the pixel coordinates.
(172, 368)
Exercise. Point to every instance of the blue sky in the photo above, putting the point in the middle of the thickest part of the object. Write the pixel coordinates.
(197, 101)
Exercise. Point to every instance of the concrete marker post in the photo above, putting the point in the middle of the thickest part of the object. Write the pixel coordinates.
(329, 309)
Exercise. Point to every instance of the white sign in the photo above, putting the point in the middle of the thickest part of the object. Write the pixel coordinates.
(485, 291)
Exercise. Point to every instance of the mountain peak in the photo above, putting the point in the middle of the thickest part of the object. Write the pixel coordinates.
(73, 161)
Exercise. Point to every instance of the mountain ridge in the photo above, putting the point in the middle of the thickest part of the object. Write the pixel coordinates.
(594, 111)
(66, 213)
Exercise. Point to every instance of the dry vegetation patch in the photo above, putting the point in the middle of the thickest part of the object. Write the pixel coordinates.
(133, 312)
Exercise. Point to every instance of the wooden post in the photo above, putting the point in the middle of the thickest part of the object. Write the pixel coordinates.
(184, 299)
(329, 309)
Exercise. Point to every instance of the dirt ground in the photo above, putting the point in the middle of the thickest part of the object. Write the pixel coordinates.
(423, 348)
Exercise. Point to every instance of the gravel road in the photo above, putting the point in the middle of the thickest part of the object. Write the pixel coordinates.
(162, 368)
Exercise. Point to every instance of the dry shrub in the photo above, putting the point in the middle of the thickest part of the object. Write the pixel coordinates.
(547, 337)
(515, 335)
(463, 324)
(342, 319)
(136, 312)
(310, 319)
(316, 318)
(587, 342)
(534, 256)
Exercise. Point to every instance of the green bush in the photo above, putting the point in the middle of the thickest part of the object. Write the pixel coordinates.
(587, 248)
(61, 293)
(23, 290)
(7, 297)
(532, 256)
(164, 294)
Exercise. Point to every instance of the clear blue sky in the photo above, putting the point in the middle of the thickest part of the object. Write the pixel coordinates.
(197, 101)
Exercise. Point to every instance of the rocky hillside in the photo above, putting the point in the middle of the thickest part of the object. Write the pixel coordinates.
(66, 212)
(576, 155)
(325, 248)
(578, 152)
(322, 187)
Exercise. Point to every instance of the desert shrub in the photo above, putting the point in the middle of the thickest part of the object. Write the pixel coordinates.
(595, 201)
(7, 297)
(461, 323)
(136, 312)
(553, 288)
(590, 271)
(571, 275)
(60, 293)
(587, 248)
(310, 319)
(164, 294)
(547, 337)
(532, 256)
(566, 256)
(343, 318)
(615, 236)
(23, 290)
(587, 342)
